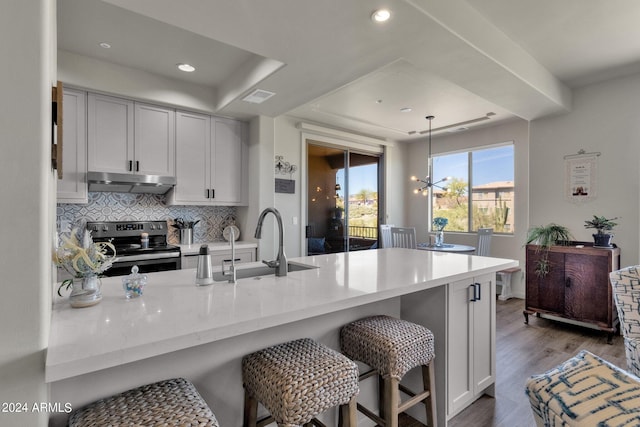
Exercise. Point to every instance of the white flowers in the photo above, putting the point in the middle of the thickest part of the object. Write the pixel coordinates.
(80, 256)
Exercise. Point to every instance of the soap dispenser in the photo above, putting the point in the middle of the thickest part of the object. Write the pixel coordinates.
(204, 273)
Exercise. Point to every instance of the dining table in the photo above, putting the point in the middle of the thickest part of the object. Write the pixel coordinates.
(446, 247)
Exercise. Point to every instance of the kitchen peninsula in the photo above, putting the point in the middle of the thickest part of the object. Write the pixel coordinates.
(179, 329)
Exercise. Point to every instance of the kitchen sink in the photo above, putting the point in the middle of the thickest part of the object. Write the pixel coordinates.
(244, 272)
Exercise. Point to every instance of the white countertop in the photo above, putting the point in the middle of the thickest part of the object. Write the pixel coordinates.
(194, 248)
(174, 313)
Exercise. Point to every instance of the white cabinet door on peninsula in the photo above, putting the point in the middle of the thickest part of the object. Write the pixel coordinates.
(130, 137)
(72, 188)
(210, 161)
(471, 345)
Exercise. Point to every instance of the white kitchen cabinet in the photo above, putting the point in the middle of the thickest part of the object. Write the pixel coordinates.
(465, 344)
(154, 143)
(242, 255)
(130, 137)
(471, 346)
(72, 188)
(110, 134)
(228, 151)
(211, 161)
(193, 145)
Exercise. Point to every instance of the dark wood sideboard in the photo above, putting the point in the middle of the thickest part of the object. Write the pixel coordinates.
(577, 286)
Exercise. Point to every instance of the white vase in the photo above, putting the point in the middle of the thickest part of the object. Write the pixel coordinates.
(85, 291)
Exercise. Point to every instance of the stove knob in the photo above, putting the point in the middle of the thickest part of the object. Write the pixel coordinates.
(159, 226)
(105, 228)
(153, 227)
(94, 228)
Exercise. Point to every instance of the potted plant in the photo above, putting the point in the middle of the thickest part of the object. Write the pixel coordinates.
(545, 237)
(439, 223)
(601, 238)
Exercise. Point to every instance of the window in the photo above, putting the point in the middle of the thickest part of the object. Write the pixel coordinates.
(488, 175)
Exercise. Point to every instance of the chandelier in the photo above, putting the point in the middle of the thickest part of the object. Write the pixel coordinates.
(426, 183)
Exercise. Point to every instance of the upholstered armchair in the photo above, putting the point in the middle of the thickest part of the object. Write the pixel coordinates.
(626, 293)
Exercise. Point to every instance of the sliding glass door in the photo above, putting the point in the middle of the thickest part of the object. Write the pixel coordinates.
(342, 201)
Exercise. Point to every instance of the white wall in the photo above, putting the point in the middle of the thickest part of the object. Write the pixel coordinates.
(504, 246)
(605, 119)
(28, 194)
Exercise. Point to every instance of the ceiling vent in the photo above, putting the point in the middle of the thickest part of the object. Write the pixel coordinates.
(258, 96)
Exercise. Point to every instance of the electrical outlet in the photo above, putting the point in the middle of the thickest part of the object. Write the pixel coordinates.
(295, 220)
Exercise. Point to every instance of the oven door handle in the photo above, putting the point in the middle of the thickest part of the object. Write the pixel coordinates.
(145, 257)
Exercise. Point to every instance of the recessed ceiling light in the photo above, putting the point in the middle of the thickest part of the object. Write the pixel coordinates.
(186, 68)
(381, 15)
(406, 110)
(105, 45)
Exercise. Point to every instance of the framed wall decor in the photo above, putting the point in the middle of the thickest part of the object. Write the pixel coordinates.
(581, 176)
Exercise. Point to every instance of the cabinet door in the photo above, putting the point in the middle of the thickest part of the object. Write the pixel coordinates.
(154, 148)
(72, 188)
(587, 287)
(546, 293)
(110, 134)
(193, 145)
(227, 156)
(484, 339)
(460, 335)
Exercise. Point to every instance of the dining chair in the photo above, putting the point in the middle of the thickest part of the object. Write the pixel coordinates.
(403, 237)
(484, 241)
(385, 235)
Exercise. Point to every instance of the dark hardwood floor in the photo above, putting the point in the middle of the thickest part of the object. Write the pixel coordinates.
(524, 350)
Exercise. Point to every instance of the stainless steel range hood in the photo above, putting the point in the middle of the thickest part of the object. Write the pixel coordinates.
(129, 183)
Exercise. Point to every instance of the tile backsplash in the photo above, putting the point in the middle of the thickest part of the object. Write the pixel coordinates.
(148, 207)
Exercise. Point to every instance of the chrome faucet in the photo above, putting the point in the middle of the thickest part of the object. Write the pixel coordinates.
(232, 267)
(280, 263)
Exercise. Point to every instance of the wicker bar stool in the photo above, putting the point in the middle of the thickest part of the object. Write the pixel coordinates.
(392, 347)
(296, 381)
(174, 402)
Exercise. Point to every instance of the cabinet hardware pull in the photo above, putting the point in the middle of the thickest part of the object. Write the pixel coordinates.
(213, 193)
(207, 193)
(477, 293)
(130, 165)
(137, 166)
(567, 282)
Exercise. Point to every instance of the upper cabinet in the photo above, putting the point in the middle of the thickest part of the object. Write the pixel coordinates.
(128, 137)
(72, 188)
(154, 147)
(207, 155)
(228, 152)
(211, 161)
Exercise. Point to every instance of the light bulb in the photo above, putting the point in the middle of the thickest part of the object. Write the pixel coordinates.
(381, 15)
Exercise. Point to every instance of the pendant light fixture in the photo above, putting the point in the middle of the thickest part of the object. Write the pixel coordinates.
(426, 183)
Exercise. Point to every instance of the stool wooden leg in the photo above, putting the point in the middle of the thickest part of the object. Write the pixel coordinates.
(391, 396)
(250, 418)
(381, 394)
(428, 381)
(348, 414)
